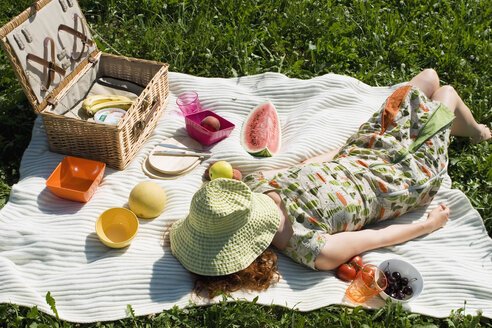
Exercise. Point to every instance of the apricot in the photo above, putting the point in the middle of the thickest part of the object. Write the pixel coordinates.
(236, 174)
(211, 123)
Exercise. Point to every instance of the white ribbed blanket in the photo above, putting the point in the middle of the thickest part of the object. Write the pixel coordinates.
(49, 244)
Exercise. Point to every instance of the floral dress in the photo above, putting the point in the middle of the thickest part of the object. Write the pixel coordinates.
(394, 164)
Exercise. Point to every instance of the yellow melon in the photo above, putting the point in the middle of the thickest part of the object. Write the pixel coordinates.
(147, 200)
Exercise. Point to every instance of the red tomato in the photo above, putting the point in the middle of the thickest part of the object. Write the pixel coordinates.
(346, 272)
(357, 262)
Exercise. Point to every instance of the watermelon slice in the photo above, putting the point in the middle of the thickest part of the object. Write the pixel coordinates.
(261, 135)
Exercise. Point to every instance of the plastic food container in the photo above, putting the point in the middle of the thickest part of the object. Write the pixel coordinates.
(111, 116)
(203, 135)
(116, 227)
(76, 178)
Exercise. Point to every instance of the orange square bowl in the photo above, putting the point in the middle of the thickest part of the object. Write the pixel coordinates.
(76, 178)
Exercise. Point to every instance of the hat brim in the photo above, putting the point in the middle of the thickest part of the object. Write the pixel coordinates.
(230, 252)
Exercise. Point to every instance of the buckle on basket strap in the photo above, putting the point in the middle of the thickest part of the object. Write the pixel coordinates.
(49, 64)
(92, 60)
(79, 35)
(51, 101)
(141, 124)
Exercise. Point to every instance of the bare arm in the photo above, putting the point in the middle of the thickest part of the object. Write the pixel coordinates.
(323, 157)
(317, 159)
(341, 247)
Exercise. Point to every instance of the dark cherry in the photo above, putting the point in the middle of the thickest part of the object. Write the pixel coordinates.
(398, 287)
(408, 290)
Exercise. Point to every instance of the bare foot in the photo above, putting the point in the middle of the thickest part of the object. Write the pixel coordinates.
(438, 217)
(482, 134)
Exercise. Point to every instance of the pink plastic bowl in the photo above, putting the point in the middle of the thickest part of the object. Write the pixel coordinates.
(204, 135)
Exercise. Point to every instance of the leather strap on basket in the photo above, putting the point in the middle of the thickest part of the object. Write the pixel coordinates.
(141, 124)
(50, 65)
(79, 35)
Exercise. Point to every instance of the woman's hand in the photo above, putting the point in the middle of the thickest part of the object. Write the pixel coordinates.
(437, 218)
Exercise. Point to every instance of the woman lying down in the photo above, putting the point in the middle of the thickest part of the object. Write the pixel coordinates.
(315, 212)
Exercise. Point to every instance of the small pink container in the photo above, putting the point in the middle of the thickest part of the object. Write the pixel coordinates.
(205, 136)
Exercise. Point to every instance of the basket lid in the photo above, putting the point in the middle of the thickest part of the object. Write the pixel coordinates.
(48, 44)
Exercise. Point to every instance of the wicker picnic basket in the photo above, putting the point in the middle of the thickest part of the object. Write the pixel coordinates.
(56, 79)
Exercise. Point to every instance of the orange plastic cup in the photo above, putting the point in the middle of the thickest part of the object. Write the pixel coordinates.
(76, 178)
(370, 281)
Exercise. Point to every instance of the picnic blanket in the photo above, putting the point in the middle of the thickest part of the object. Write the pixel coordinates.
(48, 244)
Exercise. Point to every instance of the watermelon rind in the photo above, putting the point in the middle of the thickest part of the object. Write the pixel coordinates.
(263, 153)
(274, 124)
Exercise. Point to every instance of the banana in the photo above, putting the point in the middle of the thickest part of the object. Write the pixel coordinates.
(97, 99)
(109, 104)
(90, 103)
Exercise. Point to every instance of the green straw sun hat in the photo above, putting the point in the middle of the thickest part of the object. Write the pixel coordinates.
(227, 228)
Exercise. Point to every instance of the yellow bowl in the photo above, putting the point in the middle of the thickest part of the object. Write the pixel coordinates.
(116, 227)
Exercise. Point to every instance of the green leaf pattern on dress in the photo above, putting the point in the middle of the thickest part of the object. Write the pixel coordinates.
(347, 194)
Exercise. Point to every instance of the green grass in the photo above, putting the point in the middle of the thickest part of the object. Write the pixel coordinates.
(249, 314)
(378, 42)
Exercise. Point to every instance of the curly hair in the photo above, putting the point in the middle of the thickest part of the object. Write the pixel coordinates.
(258, 276)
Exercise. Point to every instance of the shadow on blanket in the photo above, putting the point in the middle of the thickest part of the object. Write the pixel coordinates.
(48, 203)
(170, 281)
(94, 251)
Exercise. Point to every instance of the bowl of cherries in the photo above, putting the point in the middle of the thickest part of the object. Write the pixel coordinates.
(405, 283)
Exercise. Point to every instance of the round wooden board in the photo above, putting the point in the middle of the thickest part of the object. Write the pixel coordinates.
(172, 165)
(158, 175)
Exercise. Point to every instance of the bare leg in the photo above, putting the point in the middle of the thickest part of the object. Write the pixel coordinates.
(427, 81)
(464, 124)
